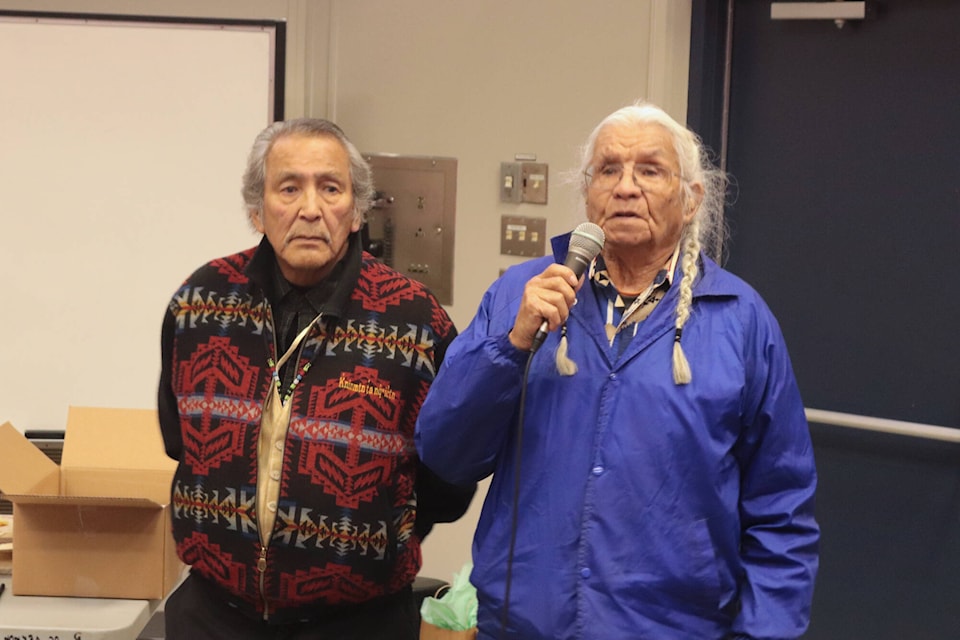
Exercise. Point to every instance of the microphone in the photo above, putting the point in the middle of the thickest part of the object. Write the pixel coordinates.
(586, 241)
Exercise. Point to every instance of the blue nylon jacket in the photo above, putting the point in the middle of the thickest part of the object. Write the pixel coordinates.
(646, 509)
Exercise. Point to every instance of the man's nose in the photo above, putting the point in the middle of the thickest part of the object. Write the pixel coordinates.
(312, 204)
(627, 184)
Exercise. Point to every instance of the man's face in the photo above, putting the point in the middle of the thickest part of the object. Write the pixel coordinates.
(638, 215)
(307, 212)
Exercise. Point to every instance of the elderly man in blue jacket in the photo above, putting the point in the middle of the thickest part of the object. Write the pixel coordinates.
(653, 475)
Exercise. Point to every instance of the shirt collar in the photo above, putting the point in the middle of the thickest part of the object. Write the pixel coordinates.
(601, 279)
(621, 312)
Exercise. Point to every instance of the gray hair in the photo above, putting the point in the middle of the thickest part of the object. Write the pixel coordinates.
(361, 176)
(695, 167)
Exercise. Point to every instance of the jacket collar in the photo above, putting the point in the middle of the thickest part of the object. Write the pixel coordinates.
(712, 281)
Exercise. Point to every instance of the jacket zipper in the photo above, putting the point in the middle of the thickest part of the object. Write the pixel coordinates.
(262, 560)
(262, 570)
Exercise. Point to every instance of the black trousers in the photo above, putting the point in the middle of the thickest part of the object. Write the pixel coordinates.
(194, 612)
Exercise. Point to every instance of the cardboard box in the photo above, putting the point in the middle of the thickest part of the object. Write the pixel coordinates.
(98, 525)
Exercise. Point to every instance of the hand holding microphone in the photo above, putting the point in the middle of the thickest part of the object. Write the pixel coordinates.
(549, 295)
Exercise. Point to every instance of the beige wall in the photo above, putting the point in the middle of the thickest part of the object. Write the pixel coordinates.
(478, 81)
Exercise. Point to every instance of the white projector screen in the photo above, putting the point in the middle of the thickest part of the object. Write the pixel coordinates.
(122, 143)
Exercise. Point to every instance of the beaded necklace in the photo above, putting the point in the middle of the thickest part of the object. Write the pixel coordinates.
(275, 366)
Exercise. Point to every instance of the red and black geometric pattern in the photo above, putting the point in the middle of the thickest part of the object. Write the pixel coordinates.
(344, 529)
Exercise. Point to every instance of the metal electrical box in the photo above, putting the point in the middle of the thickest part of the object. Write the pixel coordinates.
(411, 225)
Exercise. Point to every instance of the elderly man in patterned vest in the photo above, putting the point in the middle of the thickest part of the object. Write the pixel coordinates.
(292, 377)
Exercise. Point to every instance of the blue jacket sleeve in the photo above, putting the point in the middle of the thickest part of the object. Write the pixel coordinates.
(469, 411)
(780, 537)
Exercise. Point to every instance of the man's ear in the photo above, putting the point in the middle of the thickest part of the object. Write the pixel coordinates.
(256, 219)
(693, 201)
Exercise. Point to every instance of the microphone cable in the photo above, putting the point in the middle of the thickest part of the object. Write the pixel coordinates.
(515, 508)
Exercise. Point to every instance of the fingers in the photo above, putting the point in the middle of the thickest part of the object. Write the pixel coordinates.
(546, 297)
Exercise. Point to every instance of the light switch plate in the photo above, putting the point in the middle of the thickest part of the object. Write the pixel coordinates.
(511, 182)
(534, 176)
(522, 236)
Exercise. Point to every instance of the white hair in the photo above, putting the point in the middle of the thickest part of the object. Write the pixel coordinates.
(705, 232)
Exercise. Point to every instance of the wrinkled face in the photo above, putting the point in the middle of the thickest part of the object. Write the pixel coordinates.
(308, 211)
(635, 194)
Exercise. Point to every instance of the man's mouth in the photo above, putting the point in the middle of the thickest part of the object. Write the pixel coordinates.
(305, 237)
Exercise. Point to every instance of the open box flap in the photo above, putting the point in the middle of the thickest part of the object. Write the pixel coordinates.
(109, 438)
(23, 467)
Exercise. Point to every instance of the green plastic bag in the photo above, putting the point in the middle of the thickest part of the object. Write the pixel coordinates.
(454, 608)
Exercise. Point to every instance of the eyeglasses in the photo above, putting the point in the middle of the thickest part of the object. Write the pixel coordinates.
(652, 178)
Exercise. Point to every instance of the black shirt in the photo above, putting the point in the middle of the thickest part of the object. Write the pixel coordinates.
(294, 307)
